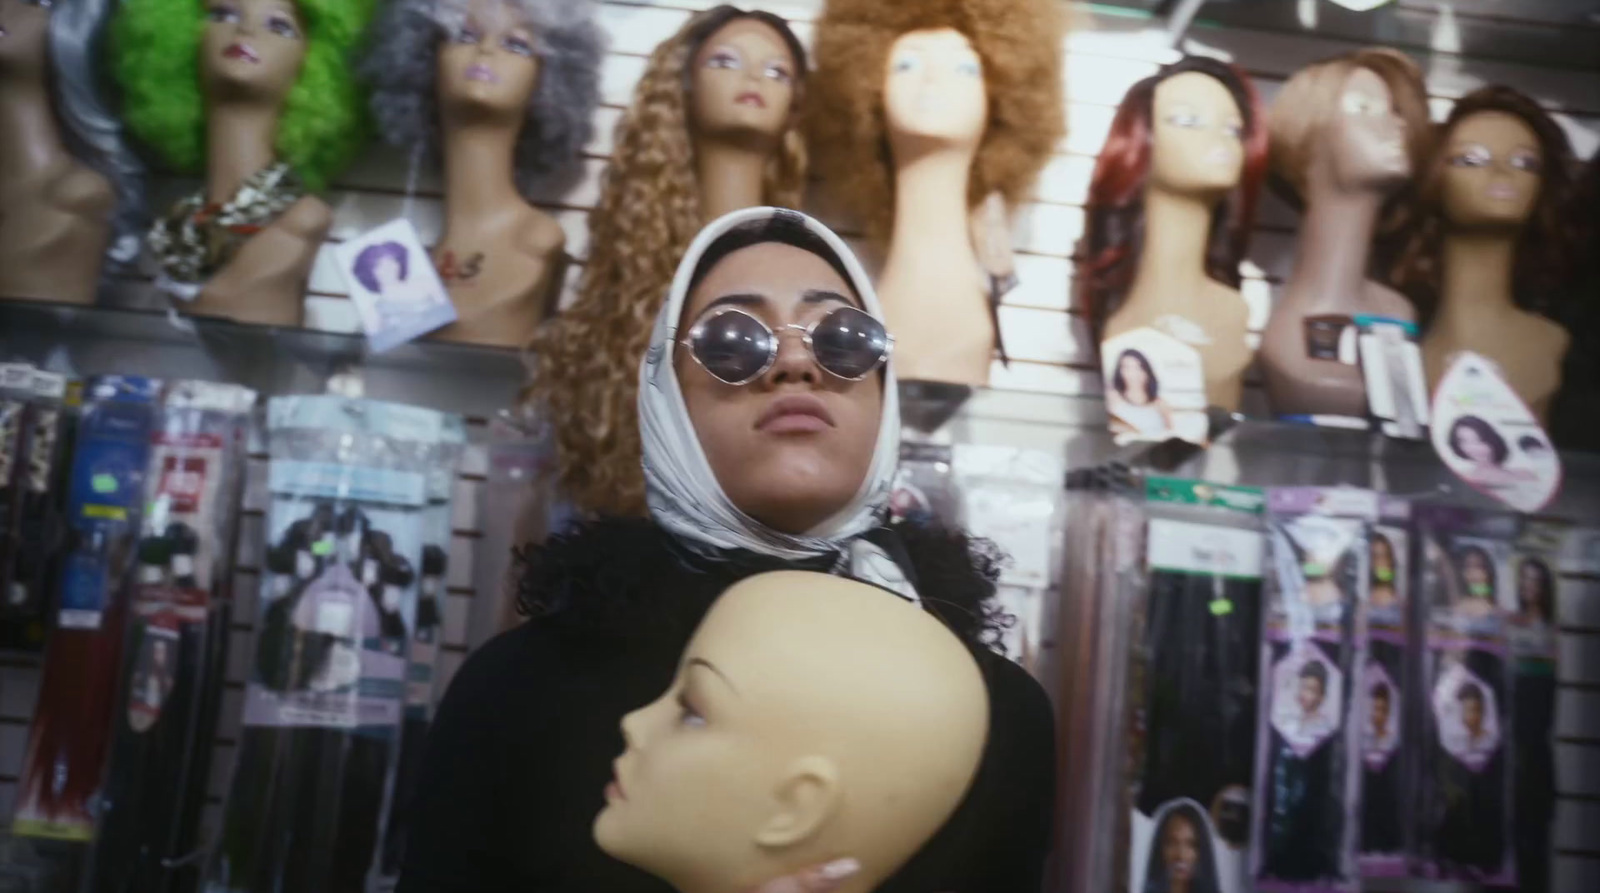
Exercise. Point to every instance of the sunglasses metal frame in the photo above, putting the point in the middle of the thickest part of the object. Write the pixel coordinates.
(776, 334)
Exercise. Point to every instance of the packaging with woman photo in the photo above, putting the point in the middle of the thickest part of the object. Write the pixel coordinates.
(1463, 821)
(1384, 694)
(1192, 678)
(394, 286)
(1533, 631)
(1489, 438)
(1155, 388)
(1308, 735)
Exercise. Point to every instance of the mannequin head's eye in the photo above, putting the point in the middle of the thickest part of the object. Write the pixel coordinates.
(1183, 118)
(969, 67)
(1234, 129)
(224, 13)
(1471, 156)
(687, 714)
(283, 26)
(518, 44)
(905, 63)
(466, 34)
(1526, 162)
(779, 72)
(725, 58)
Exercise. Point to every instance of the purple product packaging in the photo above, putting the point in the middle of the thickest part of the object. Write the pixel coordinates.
(1464, 766)
(1308, 737)
(1387, 689)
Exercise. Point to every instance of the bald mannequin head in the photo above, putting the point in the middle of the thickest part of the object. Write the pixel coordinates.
(812, 718)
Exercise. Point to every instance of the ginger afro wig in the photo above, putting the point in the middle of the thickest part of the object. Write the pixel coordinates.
(155, 52)
(1019, 42)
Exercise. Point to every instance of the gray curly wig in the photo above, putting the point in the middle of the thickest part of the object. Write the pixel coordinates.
(403, 60)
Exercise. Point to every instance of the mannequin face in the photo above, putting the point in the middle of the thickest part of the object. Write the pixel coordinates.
(794, 470)
(252, 49)
(1491, 176)
(743, 81)
(934, 89)
(1364, 141)
(24, 29)
(489, 62)
(1197, 136)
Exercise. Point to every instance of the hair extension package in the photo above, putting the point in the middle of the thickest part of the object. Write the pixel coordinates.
(1192, 689)
(1532, 632)
(1308, 739)
(349, 487)
(1387, 688)
(32, 469)
(1464, 778)
(67, 746)
(175, 648)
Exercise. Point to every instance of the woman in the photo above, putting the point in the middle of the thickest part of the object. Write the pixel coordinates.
(1383, 594)
(1135, 400)
(1181, 859)
(1476, 441)
(1477, 595)
(760, 452)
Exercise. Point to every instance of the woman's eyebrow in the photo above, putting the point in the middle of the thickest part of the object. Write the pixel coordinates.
(825, 296)
(737, 299)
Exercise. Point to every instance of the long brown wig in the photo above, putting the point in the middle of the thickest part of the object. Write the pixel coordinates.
(1546, 247)
(586, 360)
(1019, 42)
(1114, 229)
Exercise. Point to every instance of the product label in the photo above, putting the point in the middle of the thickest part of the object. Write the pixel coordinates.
(1181, 491)
(1190, 548)
(336, 481)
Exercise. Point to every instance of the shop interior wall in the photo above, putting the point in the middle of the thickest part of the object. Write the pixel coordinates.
(1050, 387)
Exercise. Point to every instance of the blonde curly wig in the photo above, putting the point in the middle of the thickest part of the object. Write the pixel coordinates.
(586, 361)
(1019, 42)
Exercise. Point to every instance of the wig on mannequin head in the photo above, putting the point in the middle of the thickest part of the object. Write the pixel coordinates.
(402, 68)
(93, 133)
(155, 57)
(586, 374)
(1114, 229)
(1019, 42)
(1311, 98)
(1546, 247)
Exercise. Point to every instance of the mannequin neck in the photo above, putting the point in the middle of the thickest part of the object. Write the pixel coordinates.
(1476, 286)
(1335, 239)
(930, 207)
(30, 140)
(730, 176)
(239, 142)
(1172, 264)
(480, 189)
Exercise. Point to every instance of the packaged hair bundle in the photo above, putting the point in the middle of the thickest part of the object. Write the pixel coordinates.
(348, 481)
(1532, 632)
(176, 643)
(1388, 690)
(1192, 689)
(32, 473)
(67, 745)
(1463, 825)
(1308, 771)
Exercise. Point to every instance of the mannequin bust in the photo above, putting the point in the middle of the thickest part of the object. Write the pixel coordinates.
(1346, 134)
(503, 91)
(1170, 210)
(713, 127)
(261, 92)
(54, 210)
(1488, 253)
(798, 731)
(967, 100)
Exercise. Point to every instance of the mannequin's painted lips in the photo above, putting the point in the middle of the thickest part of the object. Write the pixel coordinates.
(795, 414)
(482, 73)
(614, 789)
(241, 51)
(1502, 191)
(750, 97)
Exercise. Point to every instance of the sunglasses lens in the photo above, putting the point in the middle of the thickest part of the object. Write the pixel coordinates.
(849, 343)
(732, 346)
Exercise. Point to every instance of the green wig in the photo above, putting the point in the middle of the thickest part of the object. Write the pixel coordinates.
(155, 50)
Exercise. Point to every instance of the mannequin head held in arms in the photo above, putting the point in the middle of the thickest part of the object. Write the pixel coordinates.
(812, 717)
(723, 92)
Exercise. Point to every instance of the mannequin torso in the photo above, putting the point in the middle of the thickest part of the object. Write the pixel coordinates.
(518, 279)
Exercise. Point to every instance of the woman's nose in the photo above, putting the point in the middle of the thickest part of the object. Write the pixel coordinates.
(794, 362)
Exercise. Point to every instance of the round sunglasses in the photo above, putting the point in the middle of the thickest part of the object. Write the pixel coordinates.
(738, 348)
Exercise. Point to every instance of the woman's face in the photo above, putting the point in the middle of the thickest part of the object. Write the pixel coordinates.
(488, 63)
(1382, 561)
(791, 448)
(1180, 848)
(1491, 176)
(1472, 445)
(1367, 136)
(24, 26)
(1136, 383)
(934, 92)
(1475, 572)
(387, 272)
(1197, 137)
(743, 81)
(1531, 585)
(252, 49)
(1472, 715)
(1309, 694)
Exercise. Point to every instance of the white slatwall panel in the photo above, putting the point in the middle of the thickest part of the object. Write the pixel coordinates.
(1105, 55)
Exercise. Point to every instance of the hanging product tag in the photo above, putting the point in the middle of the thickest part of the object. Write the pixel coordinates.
(1486, 435)
(1155, 387)
(1391, 364)
(394, 286)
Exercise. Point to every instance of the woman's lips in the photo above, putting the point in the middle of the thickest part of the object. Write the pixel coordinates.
(750, 97)
(795, 414)
(241, 51)
(482, 73)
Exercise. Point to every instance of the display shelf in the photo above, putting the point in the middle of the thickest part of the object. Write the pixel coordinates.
(90, 340)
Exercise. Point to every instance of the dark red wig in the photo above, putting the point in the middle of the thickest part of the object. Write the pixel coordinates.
(1114, 231)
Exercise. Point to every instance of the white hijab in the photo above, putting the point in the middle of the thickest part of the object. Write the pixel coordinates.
(681, 488)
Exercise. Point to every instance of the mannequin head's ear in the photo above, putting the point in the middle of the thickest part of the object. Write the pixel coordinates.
(805, 799)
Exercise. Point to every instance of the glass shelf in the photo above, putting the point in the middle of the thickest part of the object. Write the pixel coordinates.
(90, 340)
